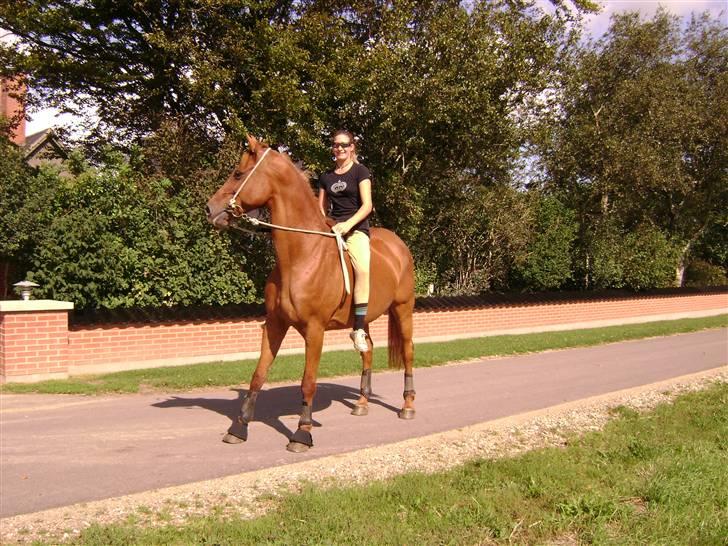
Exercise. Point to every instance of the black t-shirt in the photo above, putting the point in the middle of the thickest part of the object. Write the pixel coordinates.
(342, 191)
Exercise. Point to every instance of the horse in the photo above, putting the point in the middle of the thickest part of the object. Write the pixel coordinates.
(306, 288)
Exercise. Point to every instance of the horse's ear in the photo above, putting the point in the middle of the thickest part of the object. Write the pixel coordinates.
(253, 144)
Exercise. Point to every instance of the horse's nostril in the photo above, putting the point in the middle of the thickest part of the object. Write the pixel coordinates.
(207, 210)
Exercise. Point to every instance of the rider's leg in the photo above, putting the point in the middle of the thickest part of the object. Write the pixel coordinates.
(358, 245)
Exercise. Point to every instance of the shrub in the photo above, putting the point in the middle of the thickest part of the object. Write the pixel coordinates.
(117, 239)
(547, 264)
(701, 273)
(648, 259)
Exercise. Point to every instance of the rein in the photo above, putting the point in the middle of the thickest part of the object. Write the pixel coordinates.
(237, 211)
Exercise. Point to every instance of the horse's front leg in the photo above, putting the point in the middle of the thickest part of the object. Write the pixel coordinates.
(365, 389)
(274, 330)
(302, 440)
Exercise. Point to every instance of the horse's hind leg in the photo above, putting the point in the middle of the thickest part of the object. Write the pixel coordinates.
(302, 440)
(362, 405)
(402, 313)
(273, 333)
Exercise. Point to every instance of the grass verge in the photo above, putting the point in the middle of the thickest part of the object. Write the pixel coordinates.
(289, 367)
(653, 478)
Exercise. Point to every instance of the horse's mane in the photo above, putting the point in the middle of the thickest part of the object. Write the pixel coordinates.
(303, 176)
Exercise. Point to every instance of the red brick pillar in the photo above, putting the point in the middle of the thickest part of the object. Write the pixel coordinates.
(11, 106)
(33, 340)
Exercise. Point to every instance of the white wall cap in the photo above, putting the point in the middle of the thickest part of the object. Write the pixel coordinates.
(19, 306)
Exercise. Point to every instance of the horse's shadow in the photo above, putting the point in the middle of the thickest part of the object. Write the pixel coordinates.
(273, 404)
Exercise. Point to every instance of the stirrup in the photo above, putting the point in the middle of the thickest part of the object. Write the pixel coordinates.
(359, 337)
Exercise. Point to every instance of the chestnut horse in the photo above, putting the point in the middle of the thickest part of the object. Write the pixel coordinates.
(306, 288)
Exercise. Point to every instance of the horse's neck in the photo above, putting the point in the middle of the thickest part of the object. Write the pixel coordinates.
(293, 207)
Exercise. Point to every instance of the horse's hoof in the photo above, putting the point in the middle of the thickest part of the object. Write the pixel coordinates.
(297, 447)
(232, 439)
(360, 410)
(406, 413)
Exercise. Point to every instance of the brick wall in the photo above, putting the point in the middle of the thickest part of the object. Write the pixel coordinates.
(39, 344)
(33, 341)
(561, 315)
(104, 347)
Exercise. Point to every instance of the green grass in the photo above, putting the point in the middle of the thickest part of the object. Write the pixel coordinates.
(290, 367)
(655, 478)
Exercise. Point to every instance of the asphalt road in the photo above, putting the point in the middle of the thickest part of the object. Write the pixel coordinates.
(60, 450)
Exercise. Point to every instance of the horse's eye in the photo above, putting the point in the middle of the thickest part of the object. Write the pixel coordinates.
(237, 175)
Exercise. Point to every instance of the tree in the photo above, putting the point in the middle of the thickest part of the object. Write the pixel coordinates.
(135, 62)
(547, 261)
(641, 137)
(440, 91)
(25, 195)
(475, 236)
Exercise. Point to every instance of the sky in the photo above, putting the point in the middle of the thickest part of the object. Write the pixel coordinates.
(596, 24)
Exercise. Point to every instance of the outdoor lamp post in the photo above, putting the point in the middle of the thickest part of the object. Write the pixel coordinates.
(25, 288)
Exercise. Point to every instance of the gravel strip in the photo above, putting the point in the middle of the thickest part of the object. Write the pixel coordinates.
(252, 494)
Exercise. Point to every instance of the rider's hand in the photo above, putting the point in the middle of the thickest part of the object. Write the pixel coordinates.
(341, 228)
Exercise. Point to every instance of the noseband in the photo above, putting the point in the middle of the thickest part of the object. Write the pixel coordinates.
(233, 207)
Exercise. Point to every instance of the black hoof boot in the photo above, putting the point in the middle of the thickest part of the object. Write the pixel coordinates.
(237, 433)
(301, 441)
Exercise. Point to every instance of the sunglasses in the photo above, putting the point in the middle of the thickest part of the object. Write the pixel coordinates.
(341, 144)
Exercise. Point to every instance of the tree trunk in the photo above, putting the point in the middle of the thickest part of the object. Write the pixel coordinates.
(5, 279)
(682, 264)
(680, 275)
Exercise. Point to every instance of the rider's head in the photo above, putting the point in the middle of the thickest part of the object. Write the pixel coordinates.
(343, 146)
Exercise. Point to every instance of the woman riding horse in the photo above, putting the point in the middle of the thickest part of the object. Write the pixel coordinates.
(347, 188)
(306, 289)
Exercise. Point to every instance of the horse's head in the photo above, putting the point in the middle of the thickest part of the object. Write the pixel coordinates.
(247, 188)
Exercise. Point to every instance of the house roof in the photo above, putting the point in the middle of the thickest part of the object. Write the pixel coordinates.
(37, 141)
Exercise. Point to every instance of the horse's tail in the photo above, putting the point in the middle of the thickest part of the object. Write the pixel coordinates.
(396, 342)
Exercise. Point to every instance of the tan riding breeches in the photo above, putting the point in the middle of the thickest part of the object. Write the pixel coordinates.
(358, 245)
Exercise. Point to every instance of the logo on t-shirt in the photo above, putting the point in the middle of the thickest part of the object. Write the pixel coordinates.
(338, 187)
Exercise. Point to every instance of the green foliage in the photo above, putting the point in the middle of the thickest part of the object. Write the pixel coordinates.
(648, 259)
(713, 243)
(425, 275)
(476, 235)
(115, 239)
(547, 264)
(640, 137)
(440, 106)
(450, 100)
(26, 198)
(602, 265)
(638, 259)
(17, 184)
(703, 274)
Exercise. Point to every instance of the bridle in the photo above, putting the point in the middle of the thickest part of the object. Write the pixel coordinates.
(236, 210)
(234, 207)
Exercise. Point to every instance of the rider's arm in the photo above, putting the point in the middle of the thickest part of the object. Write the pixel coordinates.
(322, 201)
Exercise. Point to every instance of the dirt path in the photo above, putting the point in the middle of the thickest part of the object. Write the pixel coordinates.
(570, 384)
